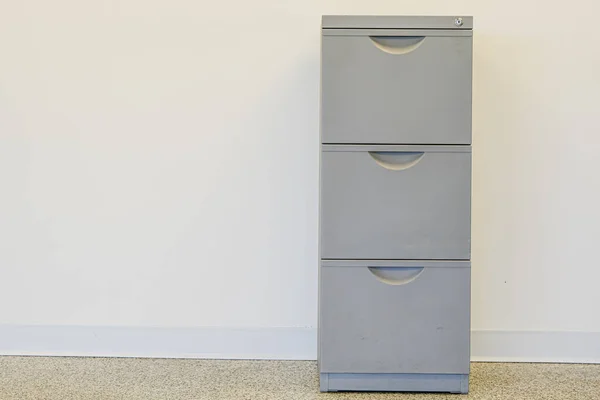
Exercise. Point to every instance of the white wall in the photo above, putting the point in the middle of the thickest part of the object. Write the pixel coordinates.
(158, 164)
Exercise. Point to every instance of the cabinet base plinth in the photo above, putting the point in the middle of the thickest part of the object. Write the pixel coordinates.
(452, 383)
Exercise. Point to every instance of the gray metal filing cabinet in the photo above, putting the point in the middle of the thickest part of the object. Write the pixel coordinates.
(395, 203)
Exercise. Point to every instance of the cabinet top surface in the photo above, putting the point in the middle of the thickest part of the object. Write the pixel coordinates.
(396, 22)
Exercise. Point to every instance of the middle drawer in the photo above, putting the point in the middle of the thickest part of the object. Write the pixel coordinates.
(396, 202)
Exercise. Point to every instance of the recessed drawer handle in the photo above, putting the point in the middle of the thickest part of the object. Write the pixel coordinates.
(396, 160)
(397, 44)
(396, 275)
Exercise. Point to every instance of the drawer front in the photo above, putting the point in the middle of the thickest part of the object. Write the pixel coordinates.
(396, 89)
(394, 319)
(400, 202)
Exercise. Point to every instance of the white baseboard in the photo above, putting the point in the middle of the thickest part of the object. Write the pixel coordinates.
(269, 343)
(535, 346)
(221, 343)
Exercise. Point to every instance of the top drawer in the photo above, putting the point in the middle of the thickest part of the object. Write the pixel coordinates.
(402, 86)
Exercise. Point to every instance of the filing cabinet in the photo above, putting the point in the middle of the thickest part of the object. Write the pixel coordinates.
(395, 203)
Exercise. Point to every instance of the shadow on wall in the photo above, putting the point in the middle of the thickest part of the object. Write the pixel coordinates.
(517, 130)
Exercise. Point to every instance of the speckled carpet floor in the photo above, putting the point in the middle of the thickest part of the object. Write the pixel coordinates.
(44, 378)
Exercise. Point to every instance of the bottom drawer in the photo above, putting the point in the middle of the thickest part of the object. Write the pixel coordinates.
(394, 317)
